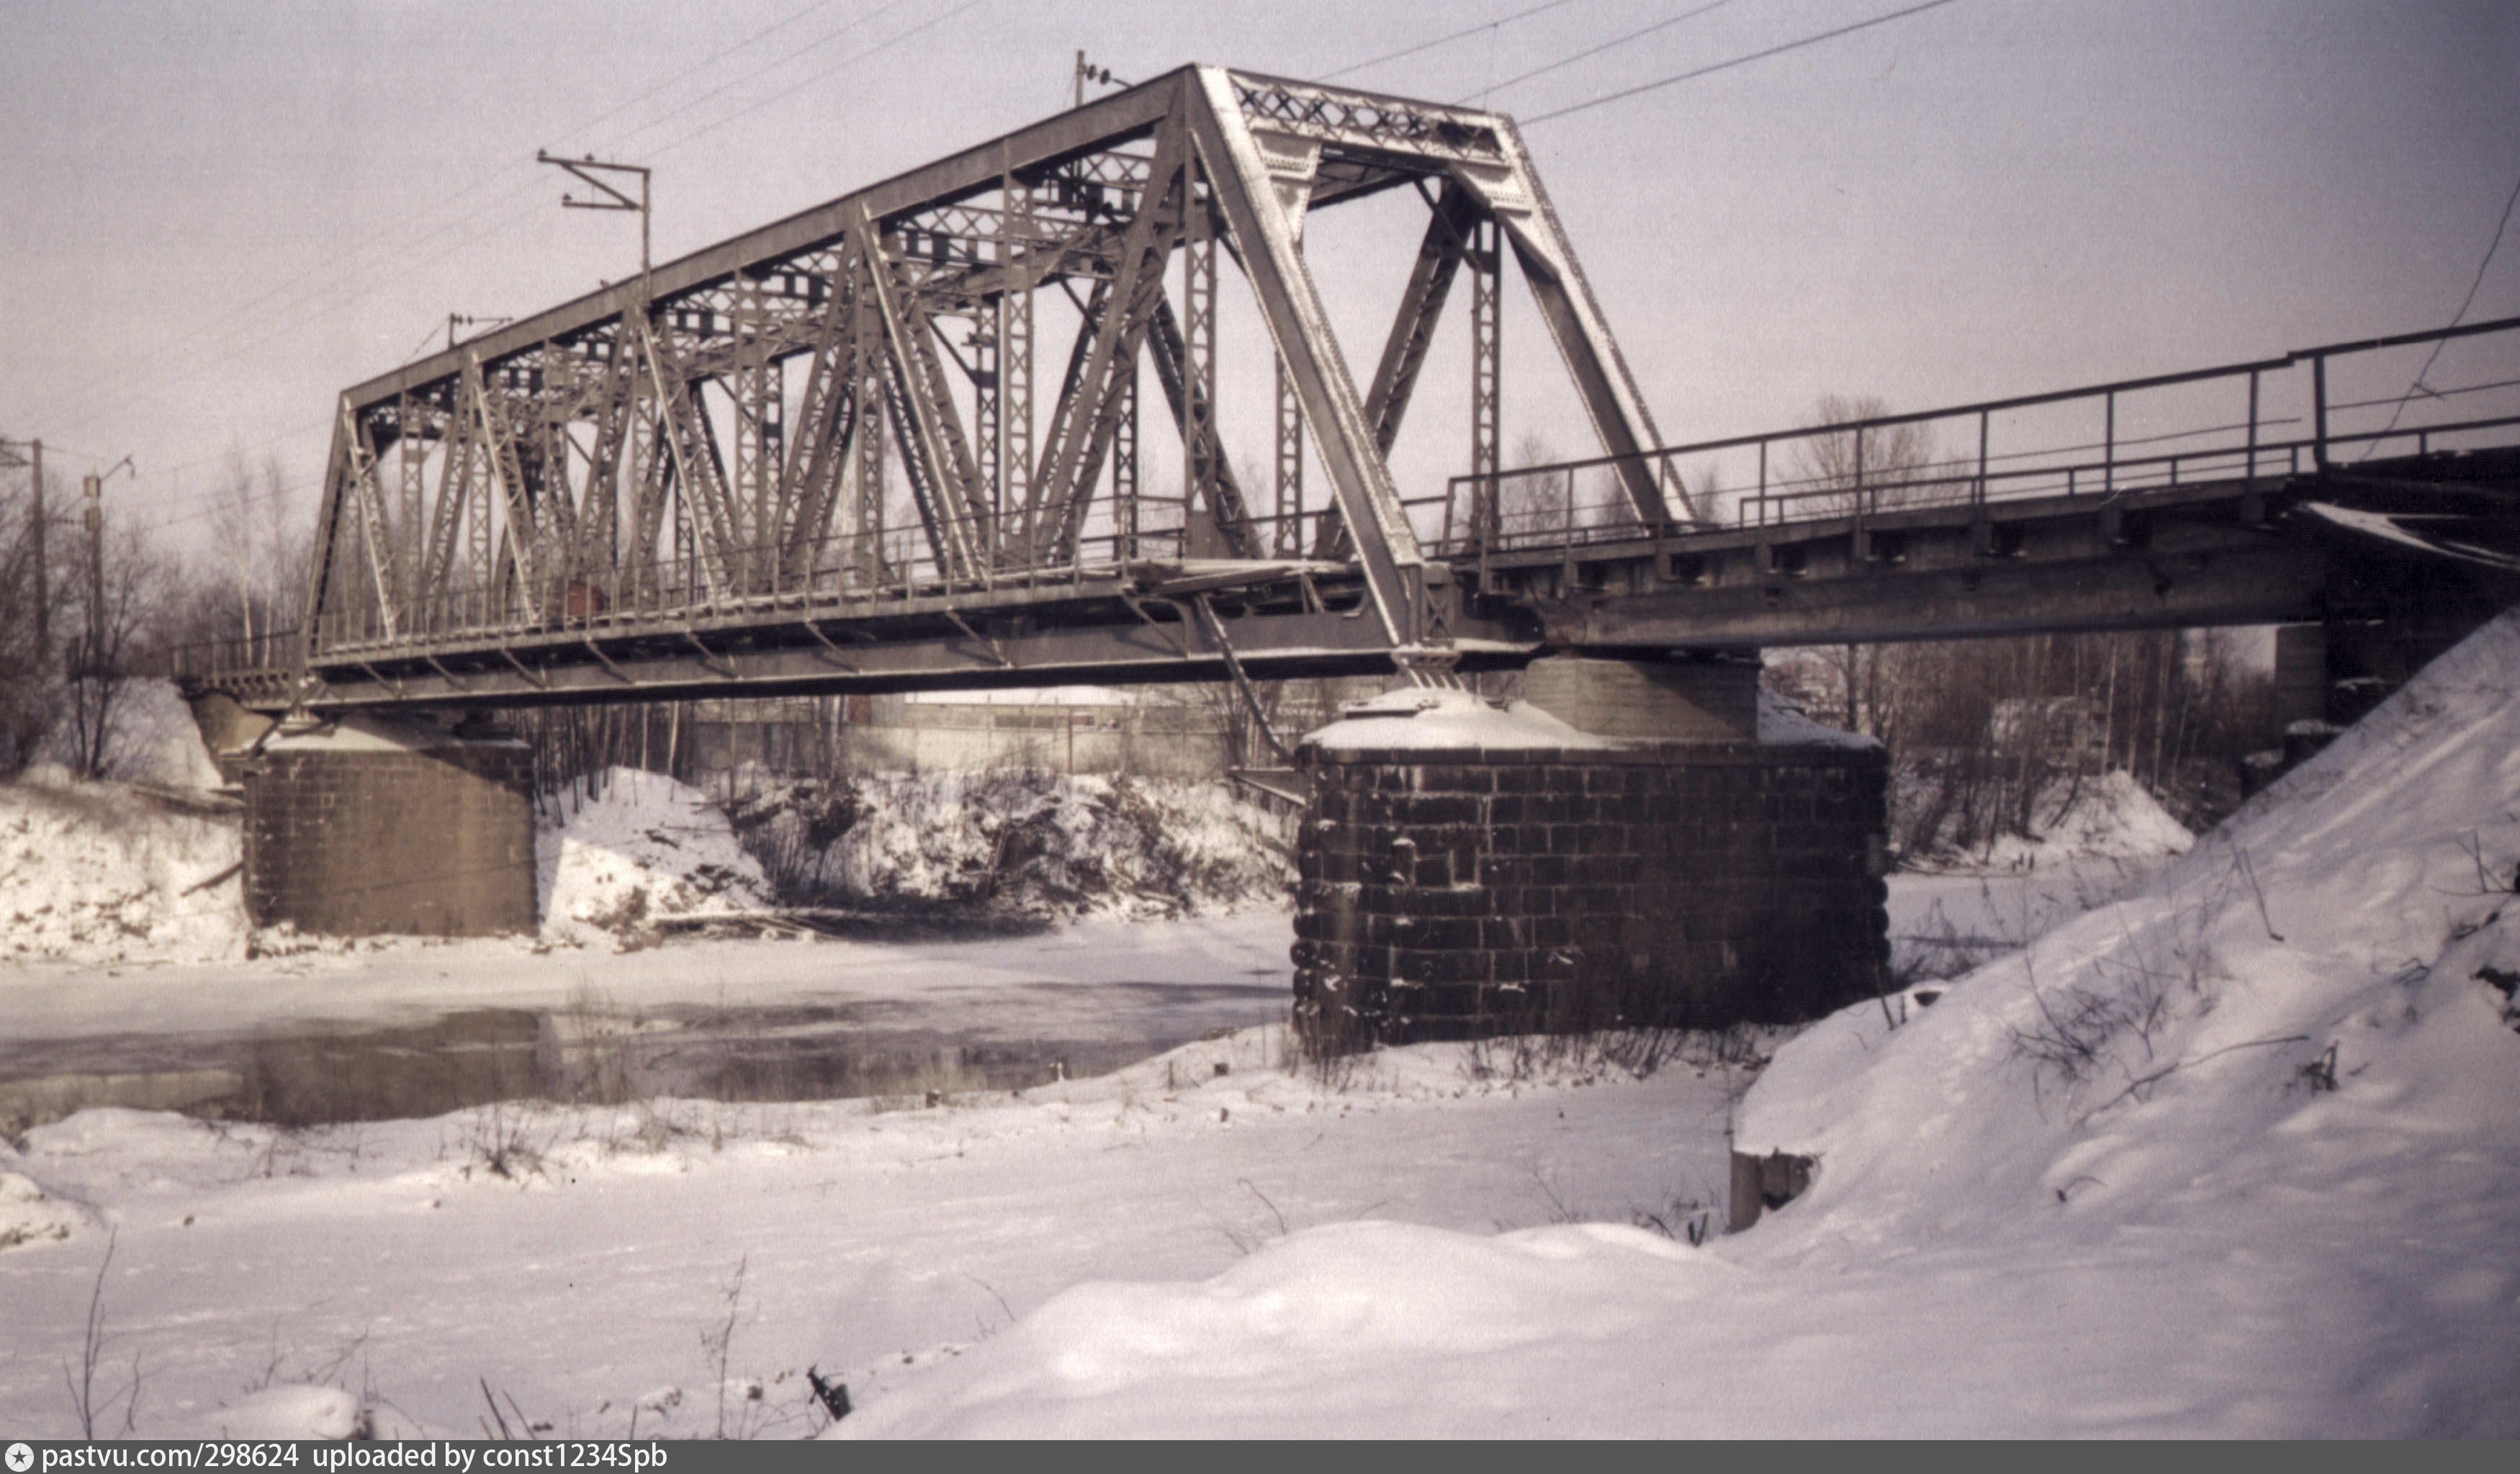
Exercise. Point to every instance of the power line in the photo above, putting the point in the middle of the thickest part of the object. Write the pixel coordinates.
(318, 307)
(847, 62)
(2416, 384)
(1411, 51)
(1632, 36)
(1740, 60)
(344, 261)
(713, 59)
(343, 288)
(817, 44)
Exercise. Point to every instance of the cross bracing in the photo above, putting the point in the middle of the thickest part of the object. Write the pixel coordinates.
(853, 420)
(854, 450)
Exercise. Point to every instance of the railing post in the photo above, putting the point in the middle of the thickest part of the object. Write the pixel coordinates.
(2109, 442)
(1981, 458)
(2318, 411)
(1763, 483)
(2252, 470)
(1862, 495)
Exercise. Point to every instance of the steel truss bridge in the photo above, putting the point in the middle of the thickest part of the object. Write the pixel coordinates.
(820, 457)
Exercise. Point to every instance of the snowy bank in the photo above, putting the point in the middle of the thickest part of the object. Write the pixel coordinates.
(641, 848)
(2299, 1038)
(2230, 1158)
(101, 873)
(1024, 844)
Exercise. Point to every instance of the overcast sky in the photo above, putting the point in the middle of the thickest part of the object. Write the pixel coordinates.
(216, 215)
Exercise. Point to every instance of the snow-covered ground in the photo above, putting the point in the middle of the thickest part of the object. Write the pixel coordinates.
(2229, 1156)
(2101, 839)
(102, 874)
(1027, 844)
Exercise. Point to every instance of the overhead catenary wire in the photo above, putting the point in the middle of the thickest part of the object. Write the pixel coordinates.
(216, 508)
(2415, 385)
(1445, 40)
(388, 231)
(1728, 65)
(1594, 51)
(785, 93)
(810, 47)
(339, 283)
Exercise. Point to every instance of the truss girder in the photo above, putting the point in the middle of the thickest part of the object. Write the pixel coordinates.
(632, 455)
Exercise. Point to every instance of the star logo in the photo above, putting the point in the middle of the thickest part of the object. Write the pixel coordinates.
(20, 1458)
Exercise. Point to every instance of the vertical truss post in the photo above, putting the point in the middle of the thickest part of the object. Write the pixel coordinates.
(1124, 464)
(755, 476)
(988, 419)
(1014, 352)
(769, 427)
(866, 523)
(1202, 536)
(650, 477)
(1487, 370)
(1291, 467)
(1117, 319)
(597, 556)
(410, 465)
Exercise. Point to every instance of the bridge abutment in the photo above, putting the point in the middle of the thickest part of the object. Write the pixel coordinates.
(368, 826)
(1641, 853)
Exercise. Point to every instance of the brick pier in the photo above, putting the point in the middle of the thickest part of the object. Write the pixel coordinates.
(1466, 872)
(377, 827)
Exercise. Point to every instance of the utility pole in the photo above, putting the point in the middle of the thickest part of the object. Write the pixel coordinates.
(1086, 73)
(615, 199)
(93, 486)
(455, 320)
(43, 576)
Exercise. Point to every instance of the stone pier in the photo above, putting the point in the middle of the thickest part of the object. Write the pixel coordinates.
(1635, 844)
(375, 826)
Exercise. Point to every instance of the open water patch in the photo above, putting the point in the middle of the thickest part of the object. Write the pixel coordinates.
(592, 1052)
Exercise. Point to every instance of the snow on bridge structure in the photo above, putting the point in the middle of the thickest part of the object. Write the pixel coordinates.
(820, 457)
(813, 458)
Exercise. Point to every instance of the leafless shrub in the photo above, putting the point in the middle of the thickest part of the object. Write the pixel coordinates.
(497, 1425)
(504, 1145)
(85, 1401)
(1248, 1235)
(1688, 1218)
(719, 1343)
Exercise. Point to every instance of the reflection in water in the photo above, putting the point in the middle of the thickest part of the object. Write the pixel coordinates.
(594, 1051)
(467, 1059)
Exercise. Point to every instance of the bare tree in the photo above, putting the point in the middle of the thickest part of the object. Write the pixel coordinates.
(120, 610)
(261, 556)
(1839, 472)
(29, 677)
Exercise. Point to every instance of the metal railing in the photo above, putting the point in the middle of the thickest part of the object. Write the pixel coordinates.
(2235, 421)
